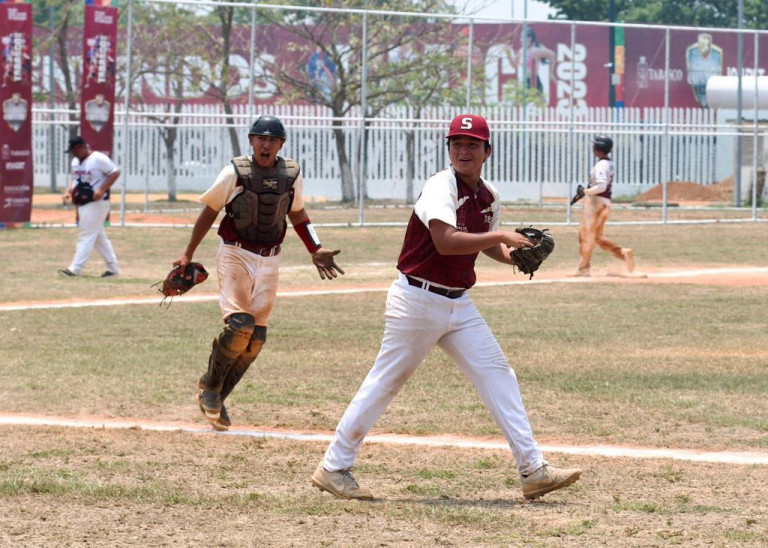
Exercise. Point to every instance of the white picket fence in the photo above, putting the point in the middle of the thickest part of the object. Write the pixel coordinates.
(537, 152)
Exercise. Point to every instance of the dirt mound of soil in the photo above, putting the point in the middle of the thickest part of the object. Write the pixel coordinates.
(686, 191)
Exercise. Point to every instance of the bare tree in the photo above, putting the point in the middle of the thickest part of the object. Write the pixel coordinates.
(332, 43)
(162, 54)
(221, 80)
(67, 13)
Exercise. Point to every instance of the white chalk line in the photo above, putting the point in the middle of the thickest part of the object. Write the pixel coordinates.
(613, 451)
(207, 297)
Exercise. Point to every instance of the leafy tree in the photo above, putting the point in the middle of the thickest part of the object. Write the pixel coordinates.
(334, 41)
(698, 13)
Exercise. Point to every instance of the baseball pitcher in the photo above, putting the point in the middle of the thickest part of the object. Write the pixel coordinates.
(456, 217)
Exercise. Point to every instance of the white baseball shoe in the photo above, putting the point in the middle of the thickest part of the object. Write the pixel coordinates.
(341, 484)
(548, 478)
(629, 258)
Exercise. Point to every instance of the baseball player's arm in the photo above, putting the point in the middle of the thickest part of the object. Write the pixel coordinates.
(449, 241)
(203, 224)
(66, 197)
(99, 193)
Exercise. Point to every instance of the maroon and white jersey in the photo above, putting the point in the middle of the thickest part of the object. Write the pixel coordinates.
(447, 199)
(601, 179)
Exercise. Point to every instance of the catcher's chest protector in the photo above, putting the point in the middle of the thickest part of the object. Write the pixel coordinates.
(259, 212)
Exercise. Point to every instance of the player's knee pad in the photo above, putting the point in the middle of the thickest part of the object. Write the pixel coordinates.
(258, 338)
(236, 335)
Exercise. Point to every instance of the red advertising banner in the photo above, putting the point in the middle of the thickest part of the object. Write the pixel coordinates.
(16, 175)
(97, 97)
(640, 66)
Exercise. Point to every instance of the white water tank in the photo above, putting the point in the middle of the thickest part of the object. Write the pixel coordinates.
(722, 92)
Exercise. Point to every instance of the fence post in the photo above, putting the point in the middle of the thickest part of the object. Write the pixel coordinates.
(571, 136)
(469, 62)
(755, 148)
(253, 57)
(363, 112)
(665, 148)
(126, 143)
(52, 102)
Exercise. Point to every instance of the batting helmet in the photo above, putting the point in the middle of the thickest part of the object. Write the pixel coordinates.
(470, 125)
(602, 143)
(270, 126)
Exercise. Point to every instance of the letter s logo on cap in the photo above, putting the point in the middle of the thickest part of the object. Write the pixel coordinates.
(466, 123)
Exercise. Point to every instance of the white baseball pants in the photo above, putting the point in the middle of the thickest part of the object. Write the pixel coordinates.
(247, 282)
(416, 321)
(92, 236)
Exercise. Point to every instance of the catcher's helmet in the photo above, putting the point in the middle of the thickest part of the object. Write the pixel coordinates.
(268, 125)
(603, 143)
(470, 125)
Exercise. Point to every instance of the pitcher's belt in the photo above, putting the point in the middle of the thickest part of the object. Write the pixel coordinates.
(450, 293)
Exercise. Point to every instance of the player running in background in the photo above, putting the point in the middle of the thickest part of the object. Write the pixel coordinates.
(455, 217)
(258, 192)
(597, 208)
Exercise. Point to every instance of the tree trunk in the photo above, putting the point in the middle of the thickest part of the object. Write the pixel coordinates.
(61, 42)
(170, 165)
(363, 162)
(169, 139)
(410, 154)
(233, 136)
(347, 180)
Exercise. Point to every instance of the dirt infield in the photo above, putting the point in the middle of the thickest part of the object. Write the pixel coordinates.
(47, 209)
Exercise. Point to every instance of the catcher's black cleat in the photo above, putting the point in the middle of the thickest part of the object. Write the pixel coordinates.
(223, 423)
(209, 402)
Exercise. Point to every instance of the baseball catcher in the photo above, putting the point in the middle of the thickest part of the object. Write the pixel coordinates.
(529, 259)
(178, 282)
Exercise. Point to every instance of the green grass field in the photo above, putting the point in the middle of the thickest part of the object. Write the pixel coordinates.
(658, 365)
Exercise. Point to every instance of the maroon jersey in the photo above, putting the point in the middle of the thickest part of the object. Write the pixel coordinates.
(447, 199)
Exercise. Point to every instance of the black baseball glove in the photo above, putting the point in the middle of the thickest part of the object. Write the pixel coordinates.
(529, 259)
(178, 283)
(82, 193)
(579, 194)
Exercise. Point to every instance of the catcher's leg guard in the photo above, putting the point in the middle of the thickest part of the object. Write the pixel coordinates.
(231, 342)
(244, 360)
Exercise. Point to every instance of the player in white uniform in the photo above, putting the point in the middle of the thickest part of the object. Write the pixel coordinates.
(98, 170)
(597, 208)
(257, 192)
(455, 217)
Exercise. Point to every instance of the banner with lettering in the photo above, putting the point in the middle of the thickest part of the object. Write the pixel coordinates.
(97, 98)
(16, 175)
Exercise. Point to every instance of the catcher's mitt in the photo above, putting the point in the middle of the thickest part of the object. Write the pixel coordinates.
(529, 259)
(579, 194)
(82, 193)
(178, 283)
